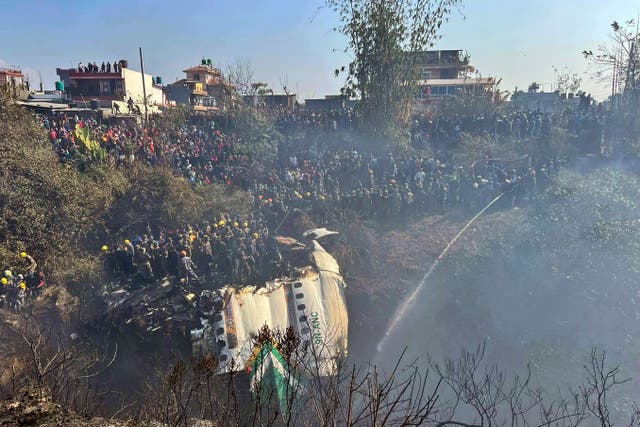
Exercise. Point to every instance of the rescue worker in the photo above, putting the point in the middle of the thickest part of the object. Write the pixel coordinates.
(187, 268)
(33, 265)
(143, 264)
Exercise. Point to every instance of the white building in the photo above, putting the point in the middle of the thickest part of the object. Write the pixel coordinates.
(105, 88)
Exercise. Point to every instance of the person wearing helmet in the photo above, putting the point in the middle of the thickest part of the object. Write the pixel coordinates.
(129, 247)
(22, 290)
(33, 265)
(4, 290)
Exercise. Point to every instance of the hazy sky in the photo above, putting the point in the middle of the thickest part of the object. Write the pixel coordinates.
(517, 41)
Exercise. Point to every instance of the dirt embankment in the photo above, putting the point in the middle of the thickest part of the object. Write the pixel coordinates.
(33, 407)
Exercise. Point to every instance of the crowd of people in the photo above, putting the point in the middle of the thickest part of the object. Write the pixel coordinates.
(203, 154)
(331, 185)
(291, 121)
(106, 67)
(21, 284)
(229, 249)
(443, 132)
(515, 124)
(387, 186)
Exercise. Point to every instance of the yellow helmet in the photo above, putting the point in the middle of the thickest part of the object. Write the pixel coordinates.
(4, 281)
(127, 241)
(105, 248)
(256, 235)
(235, 223)
(222, 222)
(23, 254)
(23, 285)
(246, 224)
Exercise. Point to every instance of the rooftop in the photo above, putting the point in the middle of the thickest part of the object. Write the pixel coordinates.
(443, 57)
(458, 82)
(11, 71)
(202, 69)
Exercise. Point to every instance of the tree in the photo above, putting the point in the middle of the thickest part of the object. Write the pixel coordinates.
(386, 39)
(619, 61)
(241, 75)
(284, 84)
(475, 101)
(258, 135)
(261, 89)
(567, 82)
(467, 391)
(46, 207)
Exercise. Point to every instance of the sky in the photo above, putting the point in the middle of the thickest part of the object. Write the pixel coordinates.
(294, 41)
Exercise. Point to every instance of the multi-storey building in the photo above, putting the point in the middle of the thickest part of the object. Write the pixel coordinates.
(105, 87)
(12, 78)
(447, 72)
(203, 88)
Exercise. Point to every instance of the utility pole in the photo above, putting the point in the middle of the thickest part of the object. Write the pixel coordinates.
(144, 89)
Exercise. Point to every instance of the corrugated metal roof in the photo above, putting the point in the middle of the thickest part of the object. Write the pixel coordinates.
(50, 105)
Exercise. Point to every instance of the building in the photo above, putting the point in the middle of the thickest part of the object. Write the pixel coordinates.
(444, 73)
(105, 88)
(203, 88)
(271, 100)
(545, 102)
(13, 80)
(191, 93)
(329, 103)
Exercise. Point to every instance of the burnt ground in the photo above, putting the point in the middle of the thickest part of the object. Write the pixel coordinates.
(32, 407)
(401, 257)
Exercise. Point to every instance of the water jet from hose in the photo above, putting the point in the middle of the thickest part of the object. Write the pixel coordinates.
(408, 302)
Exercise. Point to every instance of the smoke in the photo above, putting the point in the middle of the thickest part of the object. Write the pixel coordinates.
(407, 304)
(544, 285)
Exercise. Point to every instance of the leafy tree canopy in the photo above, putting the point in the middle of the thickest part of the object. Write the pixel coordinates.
(385, 39)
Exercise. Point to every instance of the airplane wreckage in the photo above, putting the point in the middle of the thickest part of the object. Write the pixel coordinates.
(225, 322)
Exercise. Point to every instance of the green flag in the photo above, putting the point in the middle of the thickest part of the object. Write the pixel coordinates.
(93, 147)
